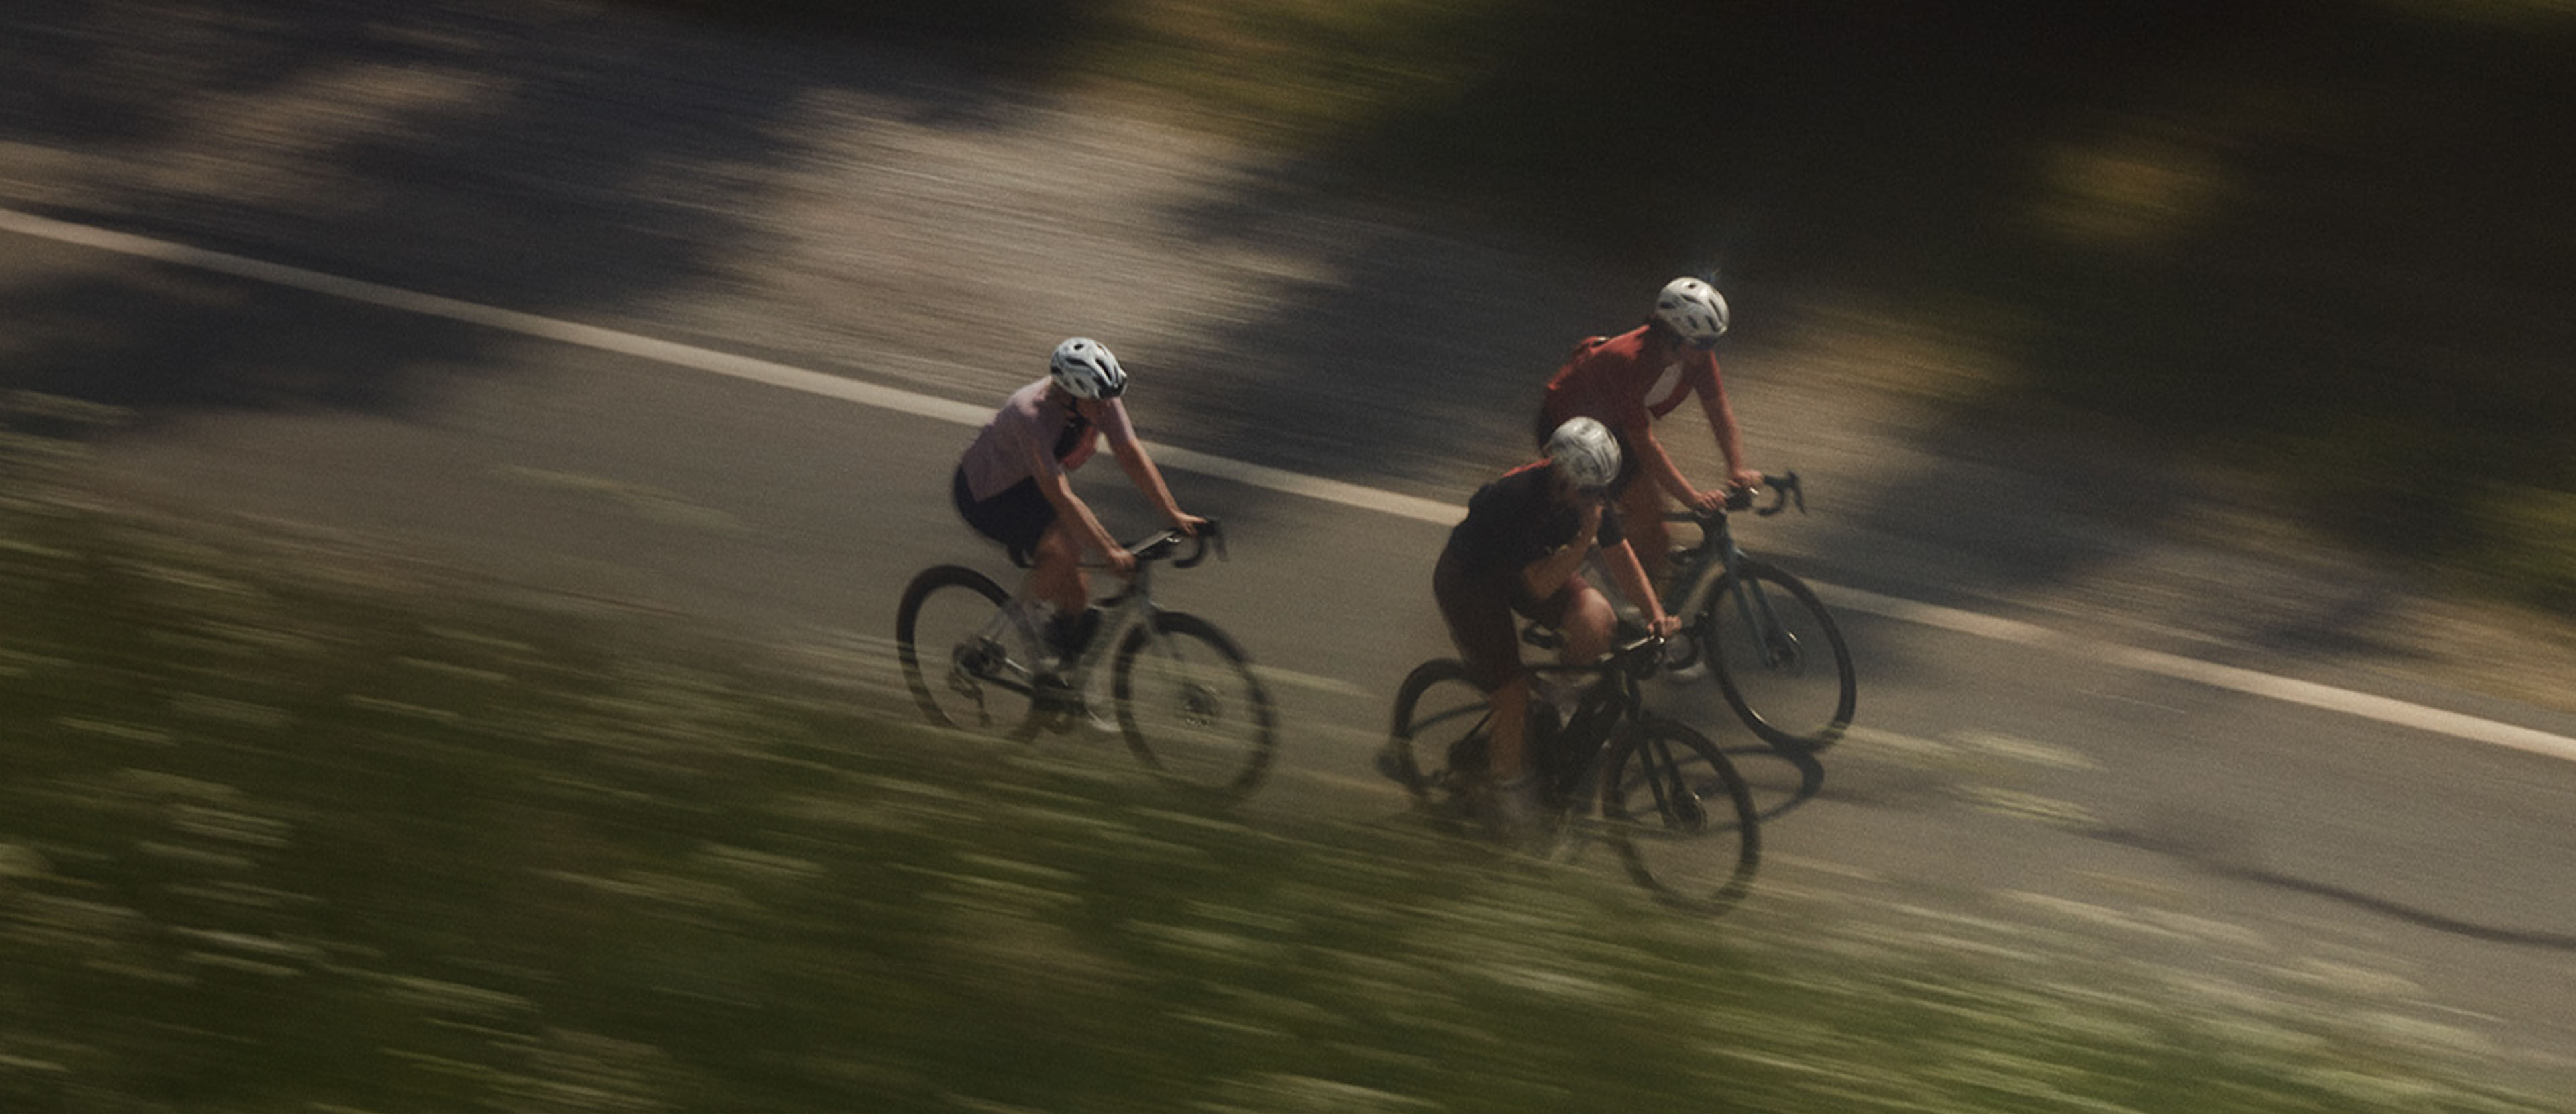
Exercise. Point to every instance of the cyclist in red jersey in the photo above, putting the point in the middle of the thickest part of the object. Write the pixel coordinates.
(1627, 381)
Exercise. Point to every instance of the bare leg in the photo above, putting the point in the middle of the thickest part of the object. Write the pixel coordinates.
(1056, 578)
(1588, 623)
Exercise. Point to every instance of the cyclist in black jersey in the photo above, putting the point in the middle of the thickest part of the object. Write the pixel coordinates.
(1521, 550)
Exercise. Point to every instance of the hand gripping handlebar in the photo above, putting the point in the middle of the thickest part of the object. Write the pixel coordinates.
(1784, 492)
(1159, 546)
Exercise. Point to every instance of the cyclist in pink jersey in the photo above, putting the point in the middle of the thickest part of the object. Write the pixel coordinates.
(1629, 380)
(1015, 486)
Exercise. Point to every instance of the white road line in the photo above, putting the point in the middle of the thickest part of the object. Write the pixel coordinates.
(692, 357)
(1313, 487)
(493, 317)
(2349, 702)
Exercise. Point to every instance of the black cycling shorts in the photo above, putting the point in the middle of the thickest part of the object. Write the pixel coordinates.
(1478, 611)
(1017, 516)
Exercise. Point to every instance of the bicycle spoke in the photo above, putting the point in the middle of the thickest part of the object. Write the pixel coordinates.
(1190, 707)
(1780, 658)
(956, 656)
(1681, 818)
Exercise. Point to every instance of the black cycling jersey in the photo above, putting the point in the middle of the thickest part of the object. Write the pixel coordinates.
(1516, 520)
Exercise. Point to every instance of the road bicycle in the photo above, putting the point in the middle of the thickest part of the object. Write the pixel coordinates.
(1184, 694)
(1777, 653)
(1657, 791)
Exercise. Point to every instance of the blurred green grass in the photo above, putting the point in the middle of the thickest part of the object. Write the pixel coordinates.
(285, 827)
(2316, 244)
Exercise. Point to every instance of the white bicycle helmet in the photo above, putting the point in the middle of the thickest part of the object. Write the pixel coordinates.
(1085, 369)
(1583, 451)
(1694, 309)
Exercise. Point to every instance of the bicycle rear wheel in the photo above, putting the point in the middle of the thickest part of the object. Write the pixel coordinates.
(958, 656)
(1680, 817)
(1191, 708)
(1779, 657)
(1440, 722)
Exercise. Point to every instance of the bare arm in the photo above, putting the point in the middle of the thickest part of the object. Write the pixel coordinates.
(1140, 470)
(1058, 489)
(1730, 439)
(1542, 577)
(1621, 560)
(1658, 465)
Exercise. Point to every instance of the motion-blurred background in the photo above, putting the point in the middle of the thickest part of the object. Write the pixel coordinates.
(401, 715)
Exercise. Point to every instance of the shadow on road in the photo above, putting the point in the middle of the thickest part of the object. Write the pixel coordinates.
(589, 164)
(2410, 914)
(552, 160)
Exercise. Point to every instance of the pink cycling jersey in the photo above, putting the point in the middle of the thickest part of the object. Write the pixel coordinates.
(1038, 424)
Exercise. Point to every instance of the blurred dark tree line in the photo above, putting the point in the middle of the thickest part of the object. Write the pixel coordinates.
(2327, 235)
(982, 27)
(2324, 238)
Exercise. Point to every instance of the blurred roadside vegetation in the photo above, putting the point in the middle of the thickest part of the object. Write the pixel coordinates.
(2319, 245)
(286, 826)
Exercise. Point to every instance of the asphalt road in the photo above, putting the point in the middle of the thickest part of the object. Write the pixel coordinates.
(2073, 718)
(2055, 784)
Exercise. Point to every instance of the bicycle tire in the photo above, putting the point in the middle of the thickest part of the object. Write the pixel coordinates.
(1657, 793)
(970, 685)
(1781, 695)
(1437, 712)
(1204, 722)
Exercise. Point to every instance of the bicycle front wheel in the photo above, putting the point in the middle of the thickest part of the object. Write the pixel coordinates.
(1680, 817)
(1191, 708)
(1779, 657)
(959, 657)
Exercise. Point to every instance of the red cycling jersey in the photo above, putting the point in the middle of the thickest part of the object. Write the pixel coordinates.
(1617, 382)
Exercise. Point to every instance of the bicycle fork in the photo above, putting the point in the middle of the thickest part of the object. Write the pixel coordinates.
(1778, 648)
(1675, 801)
